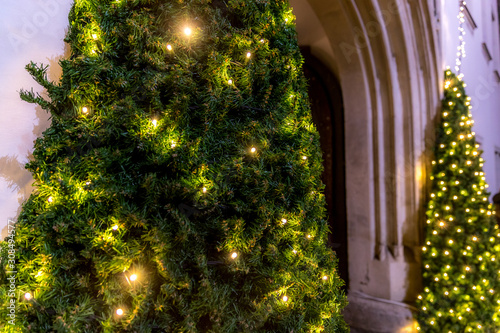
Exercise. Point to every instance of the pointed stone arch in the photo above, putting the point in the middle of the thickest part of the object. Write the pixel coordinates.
(385, 55)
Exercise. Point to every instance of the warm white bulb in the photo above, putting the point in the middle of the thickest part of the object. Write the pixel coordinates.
(115, 227)
(304, 158)
(50, 199)
(155, 122)
(27, 296)
(283, 221)
(285, 298)
(325, 277)
(133, 277)
(249, 54)
(234, 255)
(204, 190)
(119, 312)
(253, 149)
(85, 109)
(229, 81)
(187, 31)
(169, 47)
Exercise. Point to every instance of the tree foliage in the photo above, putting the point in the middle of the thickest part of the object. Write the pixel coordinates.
(178, 188)
(462, 250)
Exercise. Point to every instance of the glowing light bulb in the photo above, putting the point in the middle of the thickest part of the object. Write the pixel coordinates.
(204, 190)
(27, 296)
(234, 255)
(119, 312)
(50, 199)
(325, 277)
(169, 47)
(115, 227)
(283, 221)
(229, 81)
(133, 277)
(304, 158)
(188, 31)
(155, 122)
(249, 54)
(285, 298)
(85, 110)
(253, 150)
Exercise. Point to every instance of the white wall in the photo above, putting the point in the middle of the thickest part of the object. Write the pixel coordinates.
(29, 30)
(482, 85)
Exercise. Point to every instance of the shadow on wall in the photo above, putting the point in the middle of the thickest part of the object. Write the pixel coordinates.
(12, 170)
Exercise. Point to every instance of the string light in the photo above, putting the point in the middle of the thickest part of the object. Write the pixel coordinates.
(461, 33)
(249, 54)
(285, 298)
(325, 277)
(169, 47)
(119, 312)
(27, 296)
(234, 255)
(204, 190)
(155, 122)
(85, 110)
(187, 31)
(115, 227)
(229, 81)
(50, 199)
(283, 221)
(133, 277)
(253, 150)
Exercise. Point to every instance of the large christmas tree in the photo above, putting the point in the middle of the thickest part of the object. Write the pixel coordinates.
(461, 254)
(178, 187)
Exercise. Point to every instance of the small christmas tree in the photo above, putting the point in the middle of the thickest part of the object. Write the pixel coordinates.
(178, 187)
(461, 253)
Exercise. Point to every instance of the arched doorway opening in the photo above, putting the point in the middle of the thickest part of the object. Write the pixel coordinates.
(325, 96)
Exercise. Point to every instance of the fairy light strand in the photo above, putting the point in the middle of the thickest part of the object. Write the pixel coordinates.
(461, 33)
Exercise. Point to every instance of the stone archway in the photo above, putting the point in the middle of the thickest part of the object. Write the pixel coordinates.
(327, 108)
(384, 54)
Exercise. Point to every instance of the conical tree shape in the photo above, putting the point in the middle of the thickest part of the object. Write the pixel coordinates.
(461, 256)
(178, 186)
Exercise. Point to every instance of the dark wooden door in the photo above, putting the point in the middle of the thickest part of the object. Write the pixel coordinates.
(328, 114)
